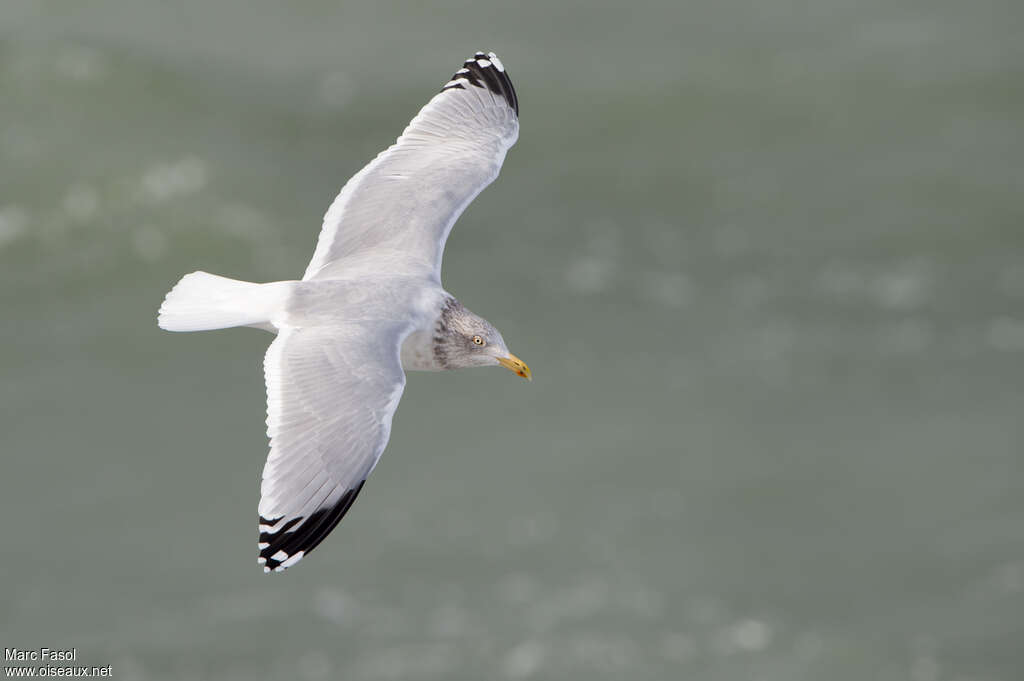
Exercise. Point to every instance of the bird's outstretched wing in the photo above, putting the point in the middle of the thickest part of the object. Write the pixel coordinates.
(403, 204)
(331, 393)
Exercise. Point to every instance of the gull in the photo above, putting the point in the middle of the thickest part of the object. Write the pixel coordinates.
(369, 307)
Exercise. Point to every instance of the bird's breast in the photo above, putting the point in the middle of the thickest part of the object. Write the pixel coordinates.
(418, 352)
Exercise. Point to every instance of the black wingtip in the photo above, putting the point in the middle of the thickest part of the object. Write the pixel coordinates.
(281, 547)
(485, 70)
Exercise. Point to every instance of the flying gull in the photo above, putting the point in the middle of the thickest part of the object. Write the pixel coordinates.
(369, 307)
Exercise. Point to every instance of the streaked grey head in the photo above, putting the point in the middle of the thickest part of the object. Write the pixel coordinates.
(463, 339)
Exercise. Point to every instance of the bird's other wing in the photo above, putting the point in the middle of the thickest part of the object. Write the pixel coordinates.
(331, 393)
(403, 204)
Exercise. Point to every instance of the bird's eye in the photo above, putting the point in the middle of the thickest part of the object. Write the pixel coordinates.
(479, 340)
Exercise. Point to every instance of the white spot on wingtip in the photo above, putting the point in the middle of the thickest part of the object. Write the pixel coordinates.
(293, 560)
(262, 545)
(497, 62)
(261, 561)
(266, 569)
(279, 556)
(483, 63)
(462, 71)
(279, 568)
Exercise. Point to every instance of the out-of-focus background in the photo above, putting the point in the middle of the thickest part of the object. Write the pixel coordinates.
(766, 260)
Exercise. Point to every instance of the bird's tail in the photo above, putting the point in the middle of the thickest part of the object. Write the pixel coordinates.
(203, 301)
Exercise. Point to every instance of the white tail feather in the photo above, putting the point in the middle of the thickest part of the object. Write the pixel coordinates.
(202, 301)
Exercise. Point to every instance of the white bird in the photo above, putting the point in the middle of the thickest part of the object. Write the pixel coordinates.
(369, 306)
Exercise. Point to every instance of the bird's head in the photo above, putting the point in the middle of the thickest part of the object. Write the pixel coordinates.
(463, 339)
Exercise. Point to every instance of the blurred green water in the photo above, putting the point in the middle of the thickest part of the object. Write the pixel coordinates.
(765, 260)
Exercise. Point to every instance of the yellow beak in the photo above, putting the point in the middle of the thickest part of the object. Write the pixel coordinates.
(516, 366)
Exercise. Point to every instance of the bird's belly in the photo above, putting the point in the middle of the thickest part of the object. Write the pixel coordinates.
(386, 299)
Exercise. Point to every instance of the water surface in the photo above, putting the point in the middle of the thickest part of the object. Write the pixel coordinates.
(766, 260)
